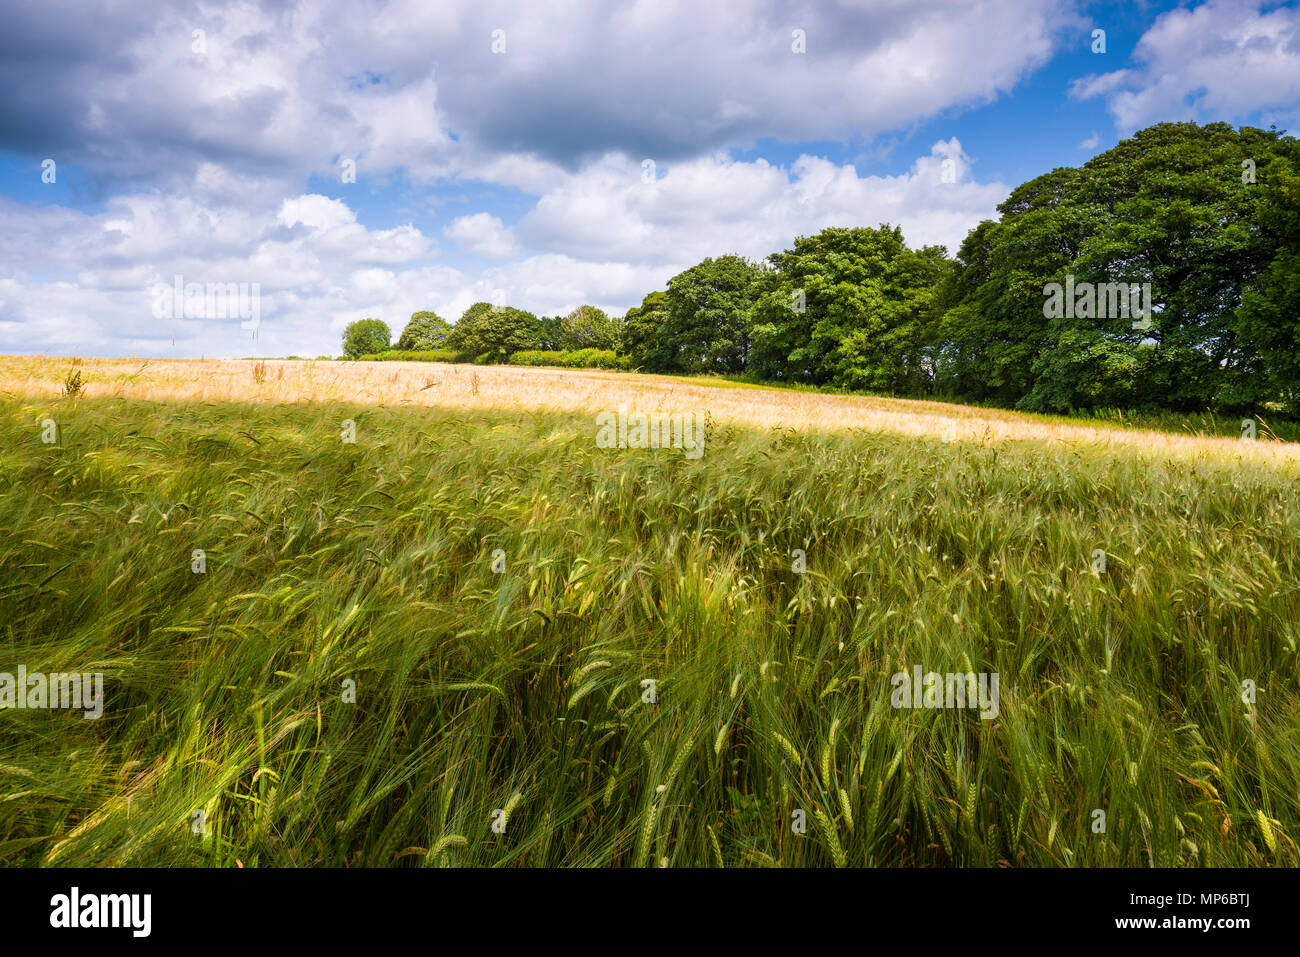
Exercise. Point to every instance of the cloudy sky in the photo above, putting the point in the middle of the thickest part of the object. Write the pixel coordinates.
(362, 159)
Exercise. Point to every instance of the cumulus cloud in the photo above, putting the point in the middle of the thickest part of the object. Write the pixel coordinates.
(715, 205)
(202, 127)
(673, 78)
(284, 90)
(483, 234)
(90, 289)
(1218, 61)
(603, 236)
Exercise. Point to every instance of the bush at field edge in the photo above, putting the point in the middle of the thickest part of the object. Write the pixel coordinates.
(576, 359)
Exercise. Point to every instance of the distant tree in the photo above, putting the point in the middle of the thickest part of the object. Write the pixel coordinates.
(853, 307)
(495, 332)
(365, 336)
(425, 331)
(588, 328)
(643, 338)
(708, 319)
(552, 333)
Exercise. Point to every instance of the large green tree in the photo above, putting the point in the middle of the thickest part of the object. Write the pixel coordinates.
(494, 333)
(1168, 207)
(994, 329)
(424, 331)
(1268, 320)
(643, 337)
(853, 307)
(366, 336)
(587, 327)
(708, 321)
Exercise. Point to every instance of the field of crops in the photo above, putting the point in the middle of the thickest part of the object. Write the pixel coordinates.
(457, 632)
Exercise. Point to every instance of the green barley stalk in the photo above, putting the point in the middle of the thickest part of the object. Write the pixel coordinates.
(790, 750)
(510, 806)
(827, 828)
(717, 848)
(646, 838)
(444, 843)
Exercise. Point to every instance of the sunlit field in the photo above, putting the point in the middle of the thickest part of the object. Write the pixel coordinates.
(476, 387)
(459, 632)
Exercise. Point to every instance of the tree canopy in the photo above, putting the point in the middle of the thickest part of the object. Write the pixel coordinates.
(493, 333)
(852, 307)
(365, 337)
(426, 330)
(1170, 208)
(588, 328)
(708, 315)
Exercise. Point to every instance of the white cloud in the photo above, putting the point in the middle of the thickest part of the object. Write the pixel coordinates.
(315, 211)
(482, 234)
(602, 236)
(315, 266)
(205, 159)
(1218, 61)
(715, 205)
(283, 91)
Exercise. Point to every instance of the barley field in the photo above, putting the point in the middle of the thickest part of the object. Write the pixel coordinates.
(469, 636)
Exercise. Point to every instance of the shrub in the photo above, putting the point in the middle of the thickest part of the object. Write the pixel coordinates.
(413, 355)
(576, 359)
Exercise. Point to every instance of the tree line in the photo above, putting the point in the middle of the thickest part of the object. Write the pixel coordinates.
(1031, 313)
(485, 333)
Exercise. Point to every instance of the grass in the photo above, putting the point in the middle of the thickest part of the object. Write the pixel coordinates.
(469, 388)
(1183, 423)
(351, 683)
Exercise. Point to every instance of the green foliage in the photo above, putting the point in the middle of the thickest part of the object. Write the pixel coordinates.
(1087, 369)
(575, 359)
(493, 333)
(372, 563)
(644, 339)
(588, 328)
(425, 332)
(1268, 320)
(552, 333)
(708, 321)
(987, 342)
(1166, 207)
(852, 307)
(428, 355)
(365, 336)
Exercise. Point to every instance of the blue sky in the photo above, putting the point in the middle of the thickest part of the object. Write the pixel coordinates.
(499, 147)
